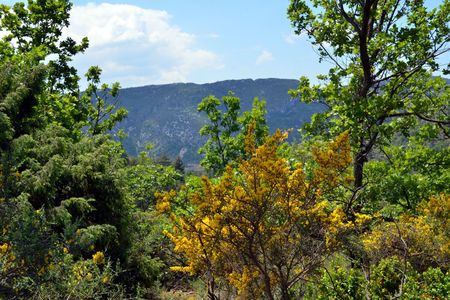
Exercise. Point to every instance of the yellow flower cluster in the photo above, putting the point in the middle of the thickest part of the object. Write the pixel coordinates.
(362, 219)
(106, 279)
(186, 269)
(4, 248)
(98, 258)
(338, 221)
(243, 279)
(333, 161)
(163, 203)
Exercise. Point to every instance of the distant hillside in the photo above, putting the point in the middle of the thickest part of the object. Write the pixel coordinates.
(166, 115)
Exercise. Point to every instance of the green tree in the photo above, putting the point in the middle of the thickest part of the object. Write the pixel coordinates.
(20, 82)
(146, 177)
(33, 34)
(221, 146)
(95, 109)
(62, 194)
(226, 130)
(66, 197)
(39, 25)
(411, 172)
(78, 184)
(34, 41)
(384, 54)
(101, 117)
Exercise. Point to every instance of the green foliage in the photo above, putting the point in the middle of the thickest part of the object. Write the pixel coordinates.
(390, 278)
(149, 255)
(101, 117)
(36, 264)
(221, 147)
(182, 205)
(432, 284)
(39, 26)
(78, 183)
(406, 175)
(226, 130)
(255, 117)
(384, 54)
(70, 200)
(146, 177)
(338, 282)
(28, 236)
(387, 276)
(19, 84)
(79, 280)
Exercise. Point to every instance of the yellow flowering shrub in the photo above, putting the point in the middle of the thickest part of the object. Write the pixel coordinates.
(422, 239)
(264, 226)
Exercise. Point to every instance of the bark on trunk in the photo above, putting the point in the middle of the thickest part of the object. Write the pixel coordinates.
(358, 170)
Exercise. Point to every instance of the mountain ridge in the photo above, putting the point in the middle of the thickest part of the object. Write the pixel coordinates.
(166, 115)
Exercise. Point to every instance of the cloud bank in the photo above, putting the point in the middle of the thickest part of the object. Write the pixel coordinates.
(137, 46)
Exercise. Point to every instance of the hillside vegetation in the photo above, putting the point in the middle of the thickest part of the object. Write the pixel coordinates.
(167, 117)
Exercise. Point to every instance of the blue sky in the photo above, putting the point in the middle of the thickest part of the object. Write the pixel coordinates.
(162, 41)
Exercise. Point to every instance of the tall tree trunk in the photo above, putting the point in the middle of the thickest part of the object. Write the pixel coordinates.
(359, 161)
(358, 169)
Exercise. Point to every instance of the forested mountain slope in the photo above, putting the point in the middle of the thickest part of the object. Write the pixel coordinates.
(166, 115)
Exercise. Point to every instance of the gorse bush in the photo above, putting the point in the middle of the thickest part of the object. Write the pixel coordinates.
(263, 227)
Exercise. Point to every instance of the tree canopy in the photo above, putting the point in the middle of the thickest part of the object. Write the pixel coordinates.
(384, 54)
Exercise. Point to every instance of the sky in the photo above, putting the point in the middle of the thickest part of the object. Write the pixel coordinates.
(139, 42)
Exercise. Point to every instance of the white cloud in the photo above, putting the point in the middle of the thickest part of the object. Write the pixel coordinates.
(137, 46)
(264, 57)
(213, 36)
(292, 38)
